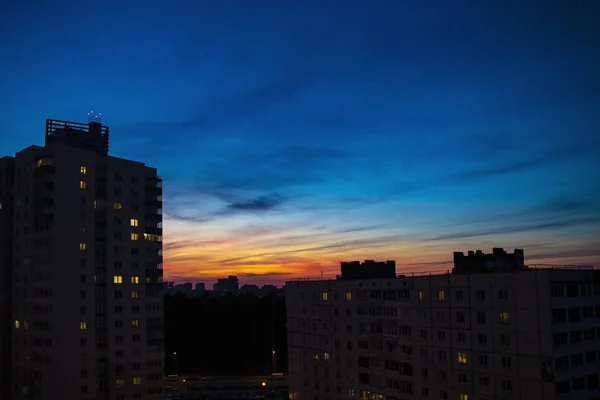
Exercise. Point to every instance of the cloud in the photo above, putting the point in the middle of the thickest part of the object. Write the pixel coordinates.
(260, 203)
(530, 227)
(264, 274)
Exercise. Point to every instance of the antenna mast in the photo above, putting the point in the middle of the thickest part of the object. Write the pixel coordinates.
(94, 117)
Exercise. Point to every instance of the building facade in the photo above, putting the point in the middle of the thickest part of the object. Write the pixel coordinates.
(527, 334)
(87, 304)
(6, 272)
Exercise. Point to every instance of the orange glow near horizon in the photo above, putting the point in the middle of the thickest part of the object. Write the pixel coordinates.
(273, 256)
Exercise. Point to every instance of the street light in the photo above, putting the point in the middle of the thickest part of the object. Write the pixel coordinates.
(274, 362)
(176, 363)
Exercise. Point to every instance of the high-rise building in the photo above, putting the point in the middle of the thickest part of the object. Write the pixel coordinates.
(87, 307)
(520, 334)
(6, 248)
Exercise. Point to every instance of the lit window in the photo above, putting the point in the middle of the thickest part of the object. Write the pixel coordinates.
(135, 279)
(316, 356)
(25, 390)
(17, 324)
(137, 381)
(504, 319)
(118, 279)
(325, 296)
(83, 325)
(441, 295)
(351, 392)
(82, 231)
(82, 246)
(147, 280)
(326, 356)
(421, 296)
(120, 382)
(0, 205)
(134, 236)
(117, 206)
(348, 296)
(135, 322)
(133, 222)
(83, 170)
(135, 294)
(464, 396)
(82, 185)
(462, 357)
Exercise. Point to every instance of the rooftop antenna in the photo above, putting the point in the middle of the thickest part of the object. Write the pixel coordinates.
(94, 117)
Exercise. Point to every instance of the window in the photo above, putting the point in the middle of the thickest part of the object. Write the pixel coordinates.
(82, 185)
(459, 295)
(17, 324)
(506, 362)
(480, 295)
(441, 295)
(502, 295)
(326, 356)
(504, 318)
(324, 296)
(118, 279)
(135, 279)
(464, 396)
(483, 360)
(83, 325)
(135, 294)
(504, 340)
(462, 357)
(135, 323)
(82, 246)
(482, 338)
(421, 295)
(348, 296)
(120, 382)
(461, 336)
(137, 381)
(133, 222)
(134, 236)
(117, 206)
(83, 170)
(481, 317)
(506, 385)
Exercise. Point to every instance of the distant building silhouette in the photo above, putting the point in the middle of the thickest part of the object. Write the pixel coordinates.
(368, 270)
(86, 304)
(499, 260)
(253, 290)
(229, 285)
(200, 288)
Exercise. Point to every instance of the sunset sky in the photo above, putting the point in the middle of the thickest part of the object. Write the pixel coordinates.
(292, 135)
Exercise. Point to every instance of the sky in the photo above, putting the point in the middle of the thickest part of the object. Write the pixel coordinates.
(292, 135)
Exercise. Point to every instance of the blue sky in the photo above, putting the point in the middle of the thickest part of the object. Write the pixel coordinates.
(296, 134)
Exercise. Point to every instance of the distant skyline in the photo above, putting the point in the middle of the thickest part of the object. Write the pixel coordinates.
(295, 135)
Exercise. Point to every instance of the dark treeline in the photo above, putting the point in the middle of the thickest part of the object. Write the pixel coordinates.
(228, 335)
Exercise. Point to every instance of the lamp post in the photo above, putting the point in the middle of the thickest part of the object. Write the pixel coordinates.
(274, 362)
(176, 363)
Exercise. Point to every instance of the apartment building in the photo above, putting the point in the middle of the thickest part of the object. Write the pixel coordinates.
(6, 202)
(521, 334)
(87, 304)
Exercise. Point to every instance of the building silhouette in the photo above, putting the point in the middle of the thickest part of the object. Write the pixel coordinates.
(6, 270)
(504, 334)
(86, 304)
(229, 285)
(498, 260)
